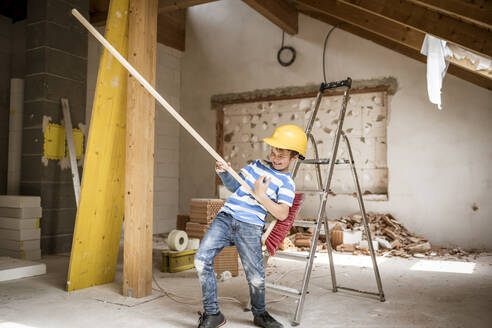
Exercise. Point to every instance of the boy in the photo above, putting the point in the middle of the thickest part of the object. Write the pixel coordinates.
(240, 222)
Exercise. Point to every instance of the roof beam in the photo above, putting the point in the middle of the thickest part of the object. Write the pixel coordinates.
(171, 29)
(425, 20)
(399, 46)
(476, 11)
(278, 12)
(170, 22)
(170, 5)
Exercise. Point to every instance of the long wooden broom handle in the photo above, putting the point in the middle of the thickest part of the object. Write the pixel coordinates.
(161, 100)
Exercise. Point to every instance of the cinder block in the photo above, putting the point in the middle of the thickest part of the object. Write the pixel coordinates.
(34, 111)
(57, 196)
(19, 201)
(167, 142)
(20, 235)
(32, 141)
(32, 254)
(33, 170)
(56, 244)
(22, 245)
(51, 88)
(58, 221)
(169, 170)
(46, 60)
(36, 11)
(21, 213)
(45, 33)
(54, 11)
(19, 224)
(5, 24)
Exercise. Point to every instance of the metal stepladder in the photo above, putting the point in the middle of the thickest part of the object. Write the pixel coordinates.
(323, 190)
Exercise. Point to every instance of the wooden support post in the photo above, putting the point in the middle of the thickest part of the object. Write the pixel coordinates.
(139, 178)
(96, 238)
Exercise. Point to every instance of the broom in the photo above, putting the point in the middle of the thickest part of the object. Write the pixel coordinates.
(277, 230)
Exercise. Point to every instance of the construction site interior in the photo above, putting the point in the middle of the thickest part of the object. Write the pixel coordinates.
(113, 114)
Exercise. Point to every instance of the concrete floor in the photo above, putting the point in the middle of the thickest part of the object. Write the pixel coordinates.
(415, 298)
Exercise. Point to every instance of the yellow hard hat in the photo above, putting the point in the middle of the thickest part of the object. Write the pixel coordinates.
(289, 137)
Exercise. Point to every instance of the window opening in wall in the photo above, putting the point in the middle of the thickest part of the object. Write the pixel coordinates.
(242, 125)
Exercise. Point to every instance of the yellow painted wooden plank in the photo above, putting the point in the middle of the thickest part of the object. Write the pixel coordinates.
(100, 215)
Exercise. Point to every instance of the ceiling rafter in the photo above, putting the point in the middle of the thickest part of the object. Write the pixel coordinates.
(171, 29)
(405, 12)
(399, 37)
(473, 11)
(170, 5)
(171, 19)
(398, 47)
(278, 12)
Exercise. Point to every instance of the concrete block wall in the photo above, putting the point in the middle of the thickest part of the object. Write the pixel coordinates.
(56, 60)
(5, 49)
(167, 130)
(166, 164)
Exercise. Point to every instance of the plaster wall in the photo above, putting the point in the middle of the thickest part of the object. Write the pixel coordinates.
(166, 164)
(438, 161)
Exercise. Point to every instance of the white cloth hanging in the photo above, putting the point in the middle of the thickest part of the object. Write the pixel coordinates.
(435, 50)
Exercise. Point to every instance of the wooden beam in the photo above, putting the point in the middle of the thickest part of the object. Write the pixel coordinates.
(398, 47)
(96, 238)
(278, 12)
(386, 28)
(139, 178)
(98, 12)
(170, 5)
(98, 5)
(171, 28)
(425, 20)
(476, 11)
(367, 21)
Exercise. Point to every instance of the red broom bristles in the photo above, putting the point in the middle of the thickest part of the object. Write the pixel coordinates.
(282, 228)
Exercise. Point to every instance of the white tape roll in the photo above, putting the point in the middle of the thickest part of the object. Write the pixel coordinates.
(177, 240)
(193, 243)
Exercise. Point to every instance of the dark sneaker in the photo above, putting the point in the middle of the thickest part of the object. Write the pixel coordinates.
(211, 320)
(265, 320)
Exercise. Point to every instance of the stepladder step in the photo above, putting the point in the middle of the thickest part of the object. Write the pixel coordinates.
(293, 256)
(287, 291)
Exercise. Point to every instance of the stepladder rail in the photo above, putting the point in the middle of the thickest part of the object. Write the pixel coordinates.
(161, 100)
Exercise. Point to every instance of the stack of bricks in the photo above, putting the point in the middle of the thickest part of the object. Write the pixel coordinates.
(20, 233)
(202, 213)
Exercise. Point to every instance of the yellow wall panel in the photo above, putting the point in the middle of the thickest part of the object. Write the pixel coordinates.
(100, 214)
(54, 141)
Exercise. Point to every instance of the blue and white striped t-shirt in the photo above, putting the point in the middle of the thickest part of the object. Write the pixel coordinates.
(242, 205)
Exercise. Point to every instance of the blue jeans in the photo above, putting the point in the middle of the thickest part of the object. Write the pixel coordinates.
(227, 231)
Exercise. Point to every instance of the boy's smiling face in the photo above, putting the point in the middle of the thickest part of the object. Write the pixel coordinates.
(281, 159)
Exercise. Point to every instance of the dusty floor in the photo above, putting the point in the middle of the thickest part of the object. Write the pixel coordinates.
(415, 298)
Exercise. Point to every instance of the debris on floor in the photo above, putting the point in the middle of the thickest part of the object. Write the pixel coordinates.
(390, 238)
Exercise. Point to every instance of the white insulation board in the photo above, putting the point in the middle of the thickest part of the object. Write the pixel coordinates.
(21, 213)
(11, 268)
(20, 201)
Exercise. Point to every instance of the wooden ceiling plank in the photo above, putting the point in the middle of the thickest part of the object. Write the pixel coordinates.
(171, 5)
(381, 26)
(397, 46)
(477, 11)
(367, 21)
(442, 26)
(278, 12)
